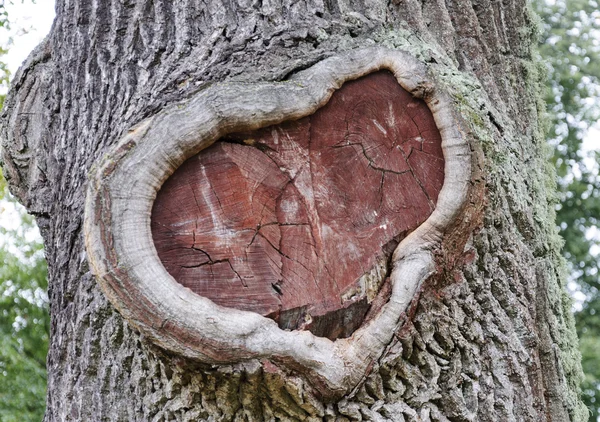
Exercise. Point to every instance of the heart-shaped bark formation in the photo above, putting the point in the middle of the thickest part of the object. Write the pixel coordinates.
(124, 185)
(297, 221)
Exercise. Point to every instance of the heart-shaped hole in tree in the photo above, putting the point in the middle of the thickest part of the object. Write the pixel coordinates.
(297, 221)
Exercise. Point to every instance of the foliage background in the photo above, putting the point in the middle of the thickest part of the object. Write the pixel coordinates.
(570, 43)
(24, 318)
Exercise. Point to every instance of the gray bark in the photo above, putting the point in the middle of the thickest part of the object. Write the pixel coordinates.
(490, 337)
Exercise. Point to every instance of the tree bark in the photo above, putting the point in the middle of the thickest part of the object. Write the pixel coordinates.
(489, 336)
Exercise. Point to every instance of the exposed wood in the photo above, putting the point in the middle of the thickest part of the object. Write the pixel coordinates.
(299, 224)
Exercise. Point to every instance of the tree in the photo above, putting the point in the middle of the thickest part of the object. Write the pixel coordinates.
(489, 335)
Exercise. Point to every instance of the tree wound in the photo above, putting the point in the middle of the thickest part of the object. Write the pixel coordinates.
(297, 221)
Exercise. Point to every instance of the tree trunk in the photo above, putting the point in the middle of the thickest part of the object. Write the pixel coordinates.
(488, 337)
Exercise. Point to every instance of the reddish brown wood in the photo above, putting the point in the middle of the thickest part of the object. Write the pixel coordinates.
(285, 220)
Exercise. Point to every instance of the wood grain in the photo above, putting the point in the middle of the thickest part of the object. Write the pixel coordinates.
(297, 221)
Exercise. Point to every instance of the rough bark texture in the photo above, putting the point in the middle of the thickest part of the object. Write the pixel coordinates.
(490, 337)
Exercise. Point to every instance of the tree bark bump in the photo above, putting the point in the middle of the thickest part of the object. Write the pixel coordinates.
(125, 183)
